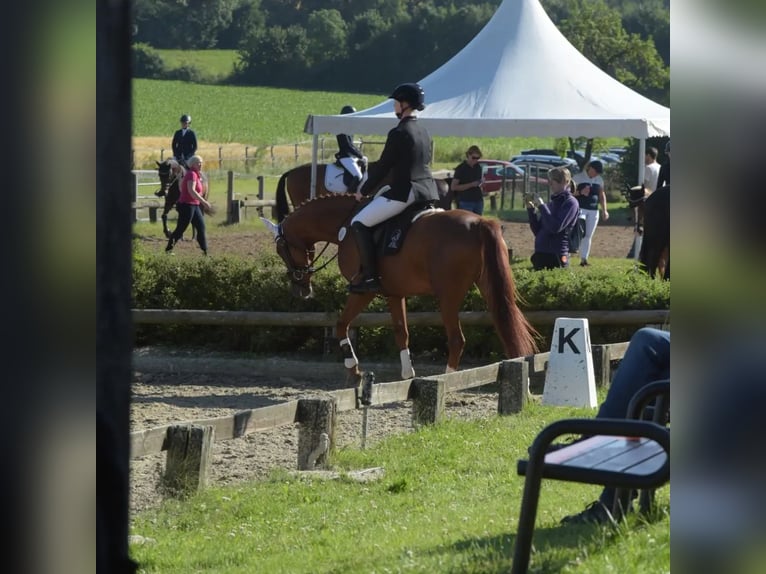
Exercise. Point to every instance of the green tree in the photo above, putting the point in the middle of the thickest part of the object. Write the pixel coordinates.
(274, 56)
(246, 18)
(327, 33)
(596, 30)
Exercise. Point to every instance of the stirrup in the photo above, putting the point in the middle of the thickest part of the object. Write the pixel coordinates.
(365, 286)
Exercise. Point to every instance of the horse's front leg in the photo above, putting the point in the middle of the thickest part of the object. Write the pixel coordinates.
(165, 229)
(398, 308)
(355, 303)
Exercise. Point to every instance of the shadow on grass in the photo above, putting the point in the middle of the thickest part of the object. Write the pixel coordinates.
(494, 554)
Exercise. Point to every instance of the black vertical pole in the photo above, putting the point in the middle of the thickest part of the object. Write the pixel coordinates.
(113, 284)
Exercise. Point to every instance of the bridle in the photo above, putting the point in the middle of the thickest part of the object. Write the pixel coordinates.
(295, 271)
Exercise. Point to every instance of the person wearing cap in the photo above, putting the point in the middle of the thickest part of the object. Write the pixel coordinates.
(590, 194)
(406, 157)
(184, 141)
(664, 178)
(349, 155)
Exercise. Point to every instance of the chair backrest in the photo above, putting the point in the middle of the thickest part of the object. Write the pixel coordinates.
(641, 407)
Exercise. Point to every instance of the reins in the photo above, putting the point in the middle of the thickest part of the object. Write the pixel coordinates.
(298, 272)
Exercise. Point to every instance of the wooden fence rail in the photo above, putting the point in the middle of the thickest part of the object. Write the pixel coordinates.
(425, 318)
(512, 376)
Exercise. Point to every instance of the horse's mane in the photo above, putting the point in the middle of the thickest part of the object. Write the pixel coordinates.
(329, 197)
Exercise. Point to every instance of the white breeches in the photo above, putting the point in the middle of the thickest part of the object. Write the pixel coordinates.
(351, 166)
(380, 209)
(591, 222)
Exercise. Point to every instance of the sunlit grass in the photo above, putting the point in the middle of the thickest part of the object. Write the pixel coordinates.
(448, 502)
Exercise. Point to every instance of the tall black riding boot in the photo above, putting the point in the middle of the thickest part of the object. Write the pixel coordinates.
(369, 281)
(354, 185)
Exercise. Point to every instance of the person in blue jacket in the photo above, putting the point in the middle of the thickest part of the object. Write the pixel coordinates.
(554, 222)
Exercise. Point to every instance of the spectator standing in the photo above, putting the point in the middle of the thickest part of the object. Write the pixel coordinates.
(590, 194)
(466, 182)
(553, 225)
(184, 141)
(664, 178)
(651, 169)
(348, 154)
(190, 205)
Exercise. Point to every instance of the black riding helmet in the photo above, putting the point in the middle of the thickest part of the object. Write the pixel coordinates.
(186, 118)
(411, 93)
(348, 110)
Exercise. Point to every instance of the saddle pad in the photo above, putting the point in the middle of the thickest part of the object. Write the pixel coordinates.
(333, 178)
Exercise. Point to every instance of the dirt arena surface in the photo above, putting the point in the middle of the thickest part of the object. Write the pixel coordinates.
(172, 386)
(611, 240)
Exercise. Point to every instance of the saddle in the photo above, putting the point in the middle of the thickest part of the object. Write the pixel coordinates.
(337, 179)
(636, 195)
(389, 236)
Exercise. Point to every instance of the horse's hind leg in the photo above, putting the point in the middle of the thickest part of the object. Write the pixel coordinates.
(354, 305)
(455, 339)
(398, 308)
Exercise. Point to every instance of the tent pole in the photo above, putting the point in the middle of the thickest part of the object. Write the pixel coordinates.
(641, 156)
(314, 142)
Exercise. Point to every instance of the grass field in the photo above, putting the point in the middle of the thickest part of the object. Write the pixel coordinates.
(213, 64)
(449, 502)
(239, 116)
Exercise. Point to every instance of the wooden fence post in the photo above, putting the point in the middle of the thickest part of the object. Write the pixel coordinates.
(316, 436)
(513, 383)
(427, 401)
(230, 197)
(602, 366)
(260, 194)
(188, 459)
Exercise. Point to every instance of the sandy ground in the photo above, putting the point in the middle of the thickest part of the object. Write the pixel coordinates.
(611, 240)
(178, 387)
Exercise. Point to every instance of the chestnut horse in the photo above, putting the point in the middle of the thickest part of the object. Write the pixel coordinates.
(297, 183)
(445, 253)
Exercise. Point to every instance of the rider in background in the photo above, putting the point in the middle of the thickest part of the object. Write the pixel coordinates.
(184, 141)
(406, 155)
(348, 154)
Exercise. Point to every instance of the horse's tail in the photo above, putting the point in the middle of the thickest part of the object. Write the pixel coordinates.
(283, 209)
(499, 290)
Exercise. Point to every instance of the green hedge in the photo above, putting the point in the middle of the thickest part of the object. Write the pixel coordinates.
(231, 283)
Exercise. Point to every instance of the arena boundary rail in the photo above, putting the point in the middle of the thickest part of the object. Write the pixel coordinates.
(188, 443)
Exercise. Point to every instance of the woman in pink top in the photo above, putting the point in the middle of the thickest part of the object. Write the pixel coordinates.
(190, 205)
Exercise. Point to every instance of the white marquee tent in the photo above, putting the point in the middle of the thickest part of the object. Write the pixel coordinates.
(519, 77)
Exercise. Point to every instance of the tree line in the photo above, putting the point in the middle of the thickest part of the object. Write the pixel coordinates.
(371, 45)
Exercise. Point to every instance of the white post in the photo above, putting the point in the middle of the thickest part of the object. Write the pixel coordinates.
(570, 379)
(314, 145)
(641, 155)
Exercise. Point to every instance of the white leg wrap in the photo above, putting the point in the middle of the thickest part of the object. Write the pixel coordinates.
(352, 361)
(407, 371)
(449, 370)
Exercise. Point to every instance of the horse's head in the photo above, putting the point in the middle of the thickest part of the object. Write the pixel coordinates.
(168, 171)
(297, 257)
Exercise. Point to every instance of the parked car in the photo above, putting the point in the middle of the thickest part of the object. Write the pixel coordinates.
(544, 162)
(494, 170)
(541, 151)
